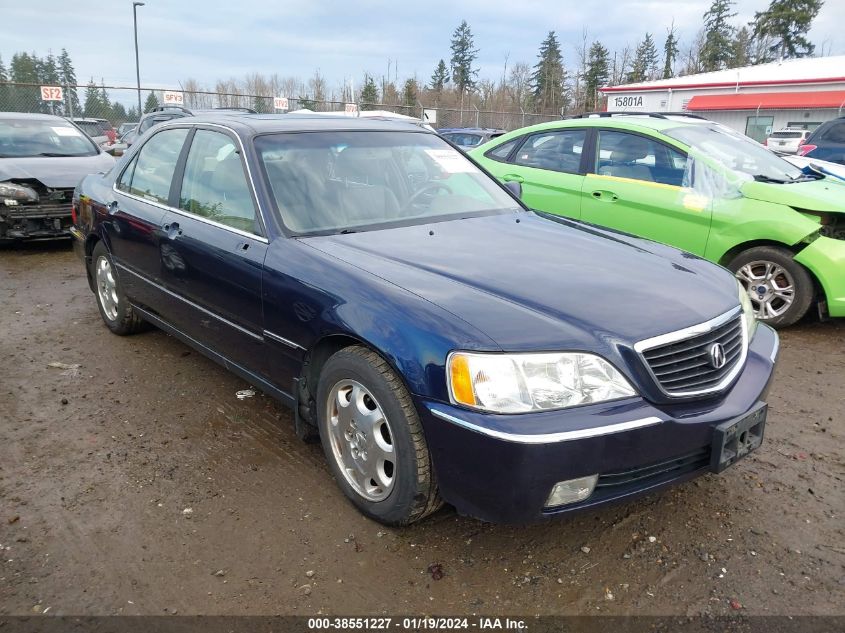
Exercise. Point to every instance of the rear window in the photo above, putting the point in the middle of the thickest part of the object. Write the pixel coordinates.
(91, 128)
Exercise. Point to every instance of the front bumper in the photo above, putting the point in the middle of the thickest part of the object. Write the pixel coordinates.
(501, 468)
(35, 222)
(825, 257)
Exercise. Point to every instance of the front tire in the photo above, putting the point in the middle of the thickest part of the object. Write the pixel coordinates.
(373, 439)
(115, 309)
(780, 288)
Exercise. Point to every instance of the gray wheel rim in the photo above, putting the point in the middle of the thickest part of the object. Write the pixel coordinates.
(361, 440)
(770, 287)
(106, 288)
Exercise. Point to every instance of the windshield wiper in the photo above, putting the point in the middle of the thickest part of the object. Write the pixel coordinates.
(346, 232)
(765, 178)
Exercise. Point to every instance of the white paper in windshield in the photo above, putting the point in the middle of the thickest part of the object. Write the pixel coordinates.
(452, 162)
(66, 131)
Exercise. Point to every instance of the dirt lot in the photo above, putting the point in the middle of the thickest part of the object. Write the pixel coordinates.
(99, 465)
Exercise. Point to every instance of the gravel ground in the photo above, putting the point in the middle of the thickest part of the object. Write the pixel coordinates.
(138, 483)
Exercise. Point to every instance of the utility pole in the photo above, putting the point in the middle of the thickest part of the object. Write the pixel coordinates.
(135, 6)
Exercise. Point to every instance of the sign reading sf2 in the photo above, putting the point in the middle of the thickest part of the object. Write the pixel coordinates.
(628, 102)
(51, 93)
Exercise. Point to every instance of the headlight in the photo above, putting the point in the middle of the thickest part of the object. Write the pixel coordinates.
(17, 193)
(516, 383)
(749, 316)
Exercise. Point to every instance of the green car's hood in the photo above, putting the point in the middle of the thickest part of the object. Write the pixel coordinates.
(814, 195)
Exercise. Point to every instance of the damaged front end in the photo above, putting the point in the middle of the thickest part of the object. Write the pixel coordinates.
(29, 210)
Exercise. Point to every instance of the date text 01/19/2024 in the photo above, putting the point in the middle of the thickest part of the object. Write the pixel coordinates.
(415, 624)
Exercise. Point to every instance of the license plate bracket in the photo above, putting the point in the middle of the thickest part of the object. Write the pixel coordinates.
(734, 439)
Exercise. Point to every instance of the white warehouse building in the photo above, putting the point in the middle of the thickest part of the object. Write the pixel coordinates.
(755, 100)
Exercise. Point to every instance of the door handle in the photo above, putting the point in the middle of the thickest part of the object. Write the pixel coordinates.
(605, 196)
(172, 229)
(513, 178)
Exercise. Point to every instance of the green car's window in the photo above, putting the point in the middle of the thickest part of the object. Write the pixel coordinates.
(504, 150)
(556, 150)
(156, 164)
(633, 156)
(215, 186)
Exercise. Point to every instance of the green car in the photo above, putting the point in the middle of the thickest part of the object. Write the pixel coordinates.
(696, 185)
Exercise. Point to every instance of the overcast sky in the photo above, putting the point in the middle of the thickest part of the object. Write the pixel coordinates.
(206, 40)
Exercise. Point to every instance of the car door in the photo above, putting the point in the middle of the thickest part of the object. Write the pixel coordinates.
(213, 249)
(136, 212)
(549, 166)
(637, 185)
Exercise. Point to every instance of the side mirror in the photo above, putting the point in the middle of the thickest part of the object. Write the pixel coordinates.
(514, 187)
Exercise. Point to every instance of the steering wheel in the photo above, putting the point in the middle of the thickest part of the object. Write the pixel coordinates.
(426, 189)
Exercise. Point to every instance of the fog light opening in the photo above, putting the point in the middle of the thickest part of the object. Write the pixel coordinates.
(571, 491)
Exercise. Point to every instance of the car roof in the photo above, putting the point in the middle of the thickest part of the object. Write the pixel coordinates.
(632, 121)
(31, 115)
(471, 130)
(269, 123)
(84, 119)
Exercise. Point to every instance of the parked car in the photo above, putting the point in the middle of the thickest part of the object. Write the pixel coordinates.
(168, 113)
(100, 130)
(446, 342)
(827, 142)
(696, 185)
(123, 128)
(42, 158)
(787, 141)
(466, 137)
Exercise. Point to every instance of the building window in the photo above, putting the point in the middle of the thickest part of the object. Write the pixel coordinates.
(803, 125)
(759, 127)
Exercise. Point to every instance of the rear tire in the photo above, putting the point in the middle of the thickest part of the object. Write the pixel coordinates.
(115, 309)
(780, 288)
(373, 439)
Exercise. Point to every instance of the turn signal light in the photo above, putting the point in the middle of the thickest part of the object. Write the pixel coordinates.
(461, 380)
(73, 213)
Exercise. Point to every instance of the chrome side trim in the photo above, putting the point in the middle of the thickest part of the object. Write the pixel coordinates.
(776, 347)
(696, 330)
(550, 438)
(194, 305)
(282, 340)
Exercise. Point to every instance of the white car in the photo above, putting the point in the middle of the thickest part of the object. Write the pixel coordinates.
(787, 141)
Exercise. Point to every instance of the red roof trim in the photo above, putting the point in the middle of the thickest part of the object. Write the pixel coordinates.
(768, 100)
(724, 84)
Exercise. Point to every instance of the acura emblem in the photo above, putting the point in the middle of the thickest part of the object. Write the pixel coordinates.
(717, 356)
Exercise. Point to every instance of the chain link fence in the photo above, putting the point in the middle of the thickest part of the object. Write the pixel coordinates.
(119, 104)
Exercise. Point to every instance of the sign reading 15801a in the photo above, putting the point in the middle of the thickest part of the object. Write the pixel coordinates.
(628, 102)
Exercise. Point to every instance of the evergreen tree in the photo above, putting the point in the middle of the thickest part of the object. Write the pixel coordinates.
(789, 21)
(741, 49)
(93, 101)
(409, 92)
(464, 55)
(5, 104)
(670, 52)
(67, 77)
(151, 102)
(645, 61)
(440, 77)
(718, 36)
(24, 69)
(549, 77)
(369, 93)
(596, 74)
(119, 114)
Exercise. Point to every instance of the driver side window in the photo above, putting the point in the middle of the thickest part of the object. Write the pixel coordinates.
(636, 157)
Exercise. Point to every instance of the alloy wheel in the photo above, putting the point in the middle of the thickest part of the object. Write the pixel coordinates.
(770, 287)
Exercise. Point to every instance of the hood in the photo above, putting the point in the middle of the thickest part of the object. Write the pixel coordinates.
(58, 172)
(827, 194)
(530, 282)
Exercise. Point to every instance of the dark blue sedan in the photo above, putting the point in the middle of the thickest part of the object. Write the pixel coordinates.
(445, 343)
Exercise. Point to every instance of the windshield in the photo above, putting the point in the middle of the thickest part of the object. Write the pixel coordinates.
(741, 155)
(330, 182)
(21, 138)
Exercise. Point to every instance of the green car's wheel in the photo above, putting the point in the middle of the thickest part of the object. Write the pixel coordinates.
(780, 288)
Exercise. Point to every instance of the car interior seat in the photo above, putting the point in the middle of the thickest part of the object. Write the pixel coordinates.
(360, 185)
(623, 159)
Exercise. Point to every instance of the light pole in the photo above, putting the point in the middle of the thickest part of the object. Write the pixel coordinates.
(135, 6)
